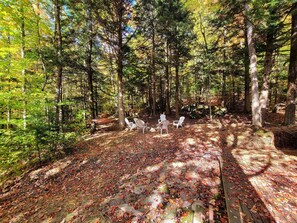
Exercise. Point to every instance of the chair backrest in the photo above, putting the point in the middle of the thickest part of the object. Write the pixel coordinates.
(162, 117)
(139, 122)
(164, 124)
(181, 120)
(127, 121)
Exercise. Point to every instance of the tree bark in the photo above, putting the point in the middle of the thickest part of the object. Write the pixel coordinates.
(23, 35)
(268, 63)
(149, 94)
(161, 95)
(233, 104)
(247, 79)
(224, 98)
(167, 81)
(292, 76)
(153, 70)
(120, 57)
(268, 60)
(89, 61)
(9, 86)
(58, 44)
(256, 111)
(176, 88)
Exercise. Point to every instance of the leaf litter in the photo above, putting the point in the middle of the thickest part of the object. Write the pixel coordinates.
(133, 177)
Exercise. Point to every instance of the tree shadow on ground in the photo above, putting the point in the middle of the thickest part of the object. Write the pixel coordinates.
(253, 160)
(125, 176)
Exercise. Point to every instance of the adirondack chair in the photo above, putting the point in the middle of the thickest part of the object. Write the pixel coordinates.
(164, 126)
(179, 122)
(140, 124)
(131, 125)
(162, 118)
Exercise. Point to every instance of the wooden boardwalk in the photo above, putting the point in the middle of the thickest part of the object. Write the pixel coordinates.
(259, 180)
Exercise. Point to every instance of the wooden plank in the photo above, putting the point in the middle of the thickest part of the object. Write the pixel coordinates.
(233, 209)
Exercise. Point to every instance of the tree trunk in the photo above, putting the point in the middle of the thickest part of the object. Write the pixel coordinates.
(233, 92)
(9, 87)
(58, 43)
(153, 71)
(256, 111)
(203, 32)
(276, 90)
(23, 65)
(167, 81)
(292, 76)
(247, 80)
(150, 93)
(89, 60)
(120, 58)
(161, 95)
(176, 88)
(96, 106)
(268, 63)
(40, 59)
(224, 72)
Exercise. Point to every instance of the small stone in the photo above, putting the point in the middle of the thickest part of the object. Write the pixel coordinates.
(198, 206)
(152, 130)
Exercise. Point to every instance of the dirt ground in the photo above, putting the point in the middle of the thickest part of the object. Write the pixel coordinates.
(127, 176)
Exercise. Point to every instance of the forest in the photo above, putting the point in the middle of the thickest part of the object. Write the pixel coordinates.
(66, 64)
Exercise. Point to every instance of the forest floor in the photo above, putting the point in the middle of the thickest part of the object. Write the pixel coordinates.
(127, 176)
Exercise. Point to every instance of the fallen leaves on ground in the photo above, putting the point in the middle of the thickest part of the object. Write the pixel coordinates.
(133, 177)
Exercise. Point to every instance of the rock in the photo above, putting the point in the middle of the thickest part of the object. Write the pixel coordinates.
(52, 172)
(198, 217)
(59, 167)
(153, 130)
(198, 206)
(154, 200)
(170, 213)
(34, 174)
(126, 208)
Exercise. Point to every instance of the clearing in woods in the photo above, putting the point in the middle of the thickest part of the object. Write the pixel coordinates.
(177, 177)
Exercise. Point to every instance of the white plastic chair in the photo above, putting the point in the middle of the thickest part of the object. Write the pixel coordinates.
(131, 125)
(179, 122)
(163, 126)
(162, 118)
(140, 124)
